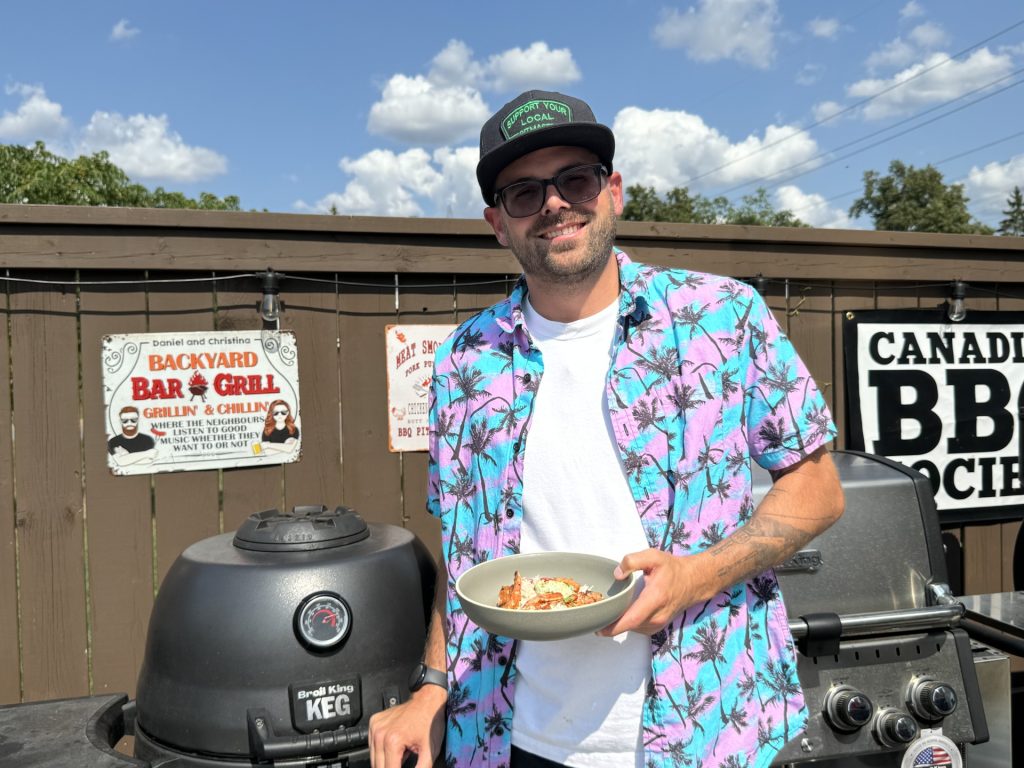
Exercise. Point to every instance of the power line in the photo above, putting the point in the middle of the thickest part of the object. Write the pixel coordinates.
(936, 164)
(835, 160)
(855, 105)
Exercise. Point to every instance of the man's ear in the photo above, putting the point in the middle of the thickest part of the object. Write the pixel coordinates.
(493, 217)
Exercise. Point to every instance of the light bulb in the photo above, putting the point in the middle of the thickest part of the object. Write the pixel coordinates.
(270, 307)
(270, 304)
(958, 307)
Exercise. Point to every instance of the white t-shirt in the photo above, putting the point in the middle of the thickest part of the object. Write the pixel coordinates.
(579, 701)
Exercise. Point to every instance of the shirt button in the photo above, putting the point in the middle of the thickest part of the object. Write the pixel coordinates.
(509, 513)
(526, 378)
(516, 446)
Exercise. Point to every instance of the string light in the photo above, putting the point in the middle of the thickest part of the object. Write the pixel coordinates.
(270, 304)
(957, 308)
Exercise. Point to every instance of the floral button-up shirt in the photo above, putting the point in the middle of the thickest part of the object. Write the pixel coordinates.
(702, 381)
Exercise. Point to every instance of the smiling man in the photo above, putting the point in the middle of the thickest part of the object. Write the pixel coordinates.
(612, 407)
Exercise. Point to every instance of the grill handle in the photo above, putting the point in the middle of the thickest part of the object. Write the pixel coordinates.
(267, 746)
(860, 624)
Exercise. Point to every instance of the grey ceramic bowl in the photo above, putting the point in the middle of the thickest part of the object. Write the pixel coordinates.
(478, 590)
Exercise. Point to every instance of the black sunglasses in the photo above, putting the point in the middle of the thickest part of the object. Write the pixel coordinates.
(574, 185)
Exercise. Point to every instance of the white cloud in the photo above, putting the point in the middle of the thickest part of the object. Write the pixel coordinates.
(809, 74)
(454, 66)
(825, 109)
(410, 183)
(688, 148)
(145, 147)
(36, 117)
(415, 111)
(743, 30)
(446, 106)
(536, 67)
(827, 28)
(811, 208)
(123, 30)
(946, 81)
(911, 10)
(922, 39)
(989, 187)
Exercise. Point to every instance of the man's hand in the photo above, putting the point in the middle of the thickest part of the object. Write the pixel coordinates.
(668, 589)
(415, 727)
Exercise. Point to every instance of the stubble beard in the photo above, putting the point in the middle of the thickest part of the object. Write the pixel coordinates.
(540, 260)
(129, 431)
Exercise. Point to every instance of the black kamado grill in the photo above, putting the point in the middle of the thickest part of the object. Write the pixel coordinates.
(275, 644)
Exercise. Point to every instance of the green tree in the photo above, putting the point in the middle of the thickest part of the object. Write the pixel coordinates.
(679, 205)
(912, 199)
(35, 175)
(1013, 224)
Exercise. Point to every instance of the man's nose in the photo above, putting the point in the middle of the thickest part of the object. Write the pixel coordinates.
(553, 200)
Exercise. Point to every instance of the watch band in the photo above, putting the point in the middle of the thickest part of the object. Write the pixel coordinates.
(423, 675)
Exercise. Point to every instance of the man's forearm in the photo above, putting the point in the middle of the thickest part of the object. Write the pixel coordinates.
(800, 505)
(434, 655)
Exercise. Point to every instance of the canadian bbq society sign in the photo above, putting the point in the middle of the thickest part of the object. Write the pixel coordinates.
(187, 401)
(944, 398)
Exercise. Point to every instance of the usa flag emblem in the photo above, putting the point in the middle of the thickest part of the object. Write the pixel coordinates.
(933, 757)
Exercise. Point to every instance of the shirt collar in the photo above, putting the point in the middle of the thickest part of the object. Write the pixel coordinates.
(632, 302)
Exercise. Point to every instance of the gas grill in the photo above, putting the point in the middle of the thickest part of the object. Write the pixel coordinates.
(884, 667)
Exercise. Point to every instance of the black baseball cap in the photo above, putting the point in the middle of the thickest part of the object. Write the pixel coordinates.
(534, 120)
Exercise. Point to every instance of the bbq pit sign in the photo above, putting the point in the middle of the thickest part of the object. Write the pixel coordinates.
(188, 401)
(944, 398)
(409, 351)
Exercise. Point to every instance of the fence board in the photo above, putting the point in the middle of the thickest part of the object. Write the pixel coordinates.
(422, 306)
(48, 482)
(187, 504)
(371, 473)
(118, 509)
(245, 490)
(10, 676)
(311, 310)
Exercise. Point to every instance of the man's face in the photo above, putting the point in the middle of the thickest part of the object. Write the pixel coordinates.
(562, 243)
(130, 423)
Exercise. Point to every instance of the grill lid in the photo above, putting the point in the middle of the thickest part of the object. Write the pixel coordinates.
(306, 529)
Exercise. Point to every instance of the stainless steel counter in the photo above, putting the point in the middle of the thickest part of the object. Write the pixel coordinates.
(1000, 610)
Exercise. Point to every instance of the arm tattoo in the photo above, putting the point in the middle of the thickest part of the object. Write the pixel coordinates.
(758, 545)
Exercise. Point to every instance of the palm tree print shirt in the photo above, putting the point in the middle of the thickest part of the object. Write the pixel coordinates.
(702, 381)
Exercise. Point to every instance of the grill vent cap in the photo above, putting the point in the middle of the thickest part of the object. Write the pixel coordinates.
(306, 529)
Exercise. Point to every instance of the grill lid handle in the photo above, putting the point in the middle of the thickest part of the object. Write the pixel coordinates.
(266, 746)
(821, 634)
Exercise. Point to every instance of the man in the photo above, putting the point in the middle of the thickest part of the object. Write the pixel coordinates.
(612, 407)
(131, 446)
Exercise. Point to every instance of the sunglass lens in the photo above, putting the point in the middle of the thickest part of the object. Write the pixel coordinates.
(578, 185)
(524, 199)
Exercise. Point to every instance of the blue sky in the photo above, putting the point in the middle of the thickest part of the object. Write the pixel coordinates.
(375, 108)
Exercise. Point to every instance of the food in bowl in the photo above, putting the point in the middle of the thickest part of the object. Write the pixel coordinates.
(545, 593)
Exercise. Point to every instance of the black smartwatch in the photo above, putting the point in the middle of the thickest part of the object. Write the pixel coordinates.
(422, 674)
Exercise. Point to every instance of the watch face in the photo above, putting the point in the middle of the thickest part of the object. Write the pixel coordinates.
(416, 678)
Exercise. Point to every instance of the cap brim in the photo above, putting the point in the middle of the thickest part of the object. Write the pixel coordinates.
(598, 138)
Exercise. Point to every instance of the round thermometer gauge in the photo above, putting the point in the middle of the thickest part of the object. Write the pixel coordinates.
(323, 620)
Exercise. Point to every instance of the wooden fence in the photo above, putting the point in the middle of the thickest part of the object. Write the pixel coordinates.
(83, 552)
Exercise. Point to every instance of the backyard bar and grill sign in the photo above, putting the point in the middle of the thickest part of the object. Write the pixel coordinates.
(944, 398)
(187, 401)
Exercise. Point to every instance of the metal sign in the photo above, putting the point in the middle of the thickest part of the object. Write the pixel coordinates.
(188, 401)
(944, 398)
(409, 351)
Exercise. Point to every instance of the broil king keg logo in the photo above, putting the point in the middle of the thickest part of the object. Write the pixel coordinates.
(325, 706)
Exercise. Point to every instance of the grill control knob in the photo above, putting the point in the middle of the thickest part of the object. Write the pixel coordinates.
(931, 700)
(847, 709)
(894, 728)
